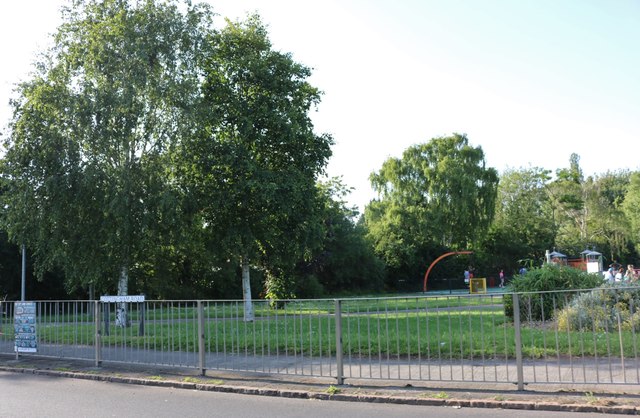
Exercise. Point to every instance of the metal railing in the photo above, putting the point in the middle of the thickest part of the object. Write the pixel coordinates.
(575, 337)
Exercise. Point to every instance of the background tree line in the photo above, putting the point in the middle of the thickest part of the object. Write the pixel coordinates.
(151, 152)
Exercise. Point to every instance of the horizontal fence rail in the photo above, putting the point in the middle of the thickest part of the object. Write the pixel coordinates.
(574, 337)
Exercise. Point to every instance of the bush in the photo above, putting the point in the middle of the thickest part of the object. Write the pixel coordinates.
(601, 309)
(535, 306)
(310, 288)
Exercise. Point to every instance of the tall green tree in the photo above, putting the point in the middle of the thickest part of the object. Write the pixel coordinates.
(631, 208)
(438, 195)
(589, 212)
(345, 261)
(609, 224)
(523, 228)
(569, 202)
(254, 164)
(91, 184)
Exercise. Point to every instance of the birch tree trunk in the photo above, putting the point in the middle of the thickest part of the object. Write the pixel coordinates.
(122, 318)
(246, 290)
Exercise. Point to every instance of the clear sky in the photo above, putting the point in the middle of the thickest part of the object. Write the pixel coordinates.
(530, 81)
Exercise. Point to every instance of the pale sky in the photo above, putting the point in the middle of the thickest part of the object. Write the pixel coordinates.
(530, 81)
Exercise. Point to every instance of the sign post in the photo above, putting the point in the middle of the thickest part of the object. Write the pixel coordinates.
(26, 340)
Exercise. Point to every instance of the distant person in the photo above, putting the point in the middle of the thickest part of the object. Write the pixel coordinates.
(501, 278)
(467, 276)
(630, 274)
(608, 275)
(619, 275)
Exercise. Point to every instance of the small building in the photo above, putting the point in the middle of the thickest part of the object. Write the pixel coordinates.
(556, 257)
(589, 261)
(593, 260)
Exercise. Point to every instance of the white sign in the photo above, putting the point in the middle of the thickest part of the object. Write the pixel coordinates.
(127, 298)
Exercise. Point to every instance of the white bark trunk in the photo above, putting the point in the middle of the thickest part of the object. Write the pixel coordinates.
(122, 319)
(246, 291)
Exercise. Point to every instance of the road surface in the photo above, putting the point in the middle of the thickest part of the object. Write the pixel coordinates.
(24, 395)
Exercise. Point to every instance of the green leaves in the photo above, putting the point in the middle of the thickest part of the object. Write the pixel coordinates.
(631, 206)
(440, 194)
(256, 181)
(89, 158)
(523, 227)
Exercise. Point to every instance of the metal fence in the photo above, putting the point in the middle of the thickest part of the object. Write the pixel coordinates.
(551, 337)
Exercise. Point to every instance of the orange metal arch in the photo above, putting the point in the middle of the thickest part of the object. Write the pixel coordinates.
(438, 259)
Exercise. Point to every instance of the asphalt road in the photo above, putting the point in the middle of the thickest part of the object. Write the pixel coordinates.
(26, 395)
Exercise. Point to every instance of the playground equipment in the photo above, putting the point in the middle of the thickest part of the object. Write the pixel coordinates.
(478, 285)
(426, 276)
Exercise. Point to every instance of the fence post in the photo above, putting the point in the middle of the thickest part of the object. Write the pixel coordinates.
(518, 342)
(106, 313)
(339, 360)
(201, 346)
(624, 369)
(97, 339)
(141, 309)
(13, 319)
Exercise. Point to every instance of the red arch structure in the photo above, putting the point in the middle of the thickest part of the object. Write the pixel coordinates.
(438, 259)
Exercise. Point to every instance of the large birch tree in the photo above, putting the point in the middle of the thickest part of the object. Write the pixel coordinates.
(88, 163)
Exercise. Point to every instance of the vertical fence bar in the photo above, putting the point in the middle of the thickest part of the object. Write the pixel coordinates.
(349, 349)
(97, 339)
(105, 313)
(529, 323)
(632, 312)
(12, 323)
(440, 343)
(495, 343)
(257, 307)
(321, 337)
(450, 337)
(339, 360)
(543, 333)
(418, 338)
(201, 348)
(379, 334)
(141, 309)
(470, 322)
(369, 351)
(235, 336)
(265, 316)
(624, 370)
(397, 321)
(294, 339)
(387, 338)
(518, 341)
(301, 329)
(426, 316)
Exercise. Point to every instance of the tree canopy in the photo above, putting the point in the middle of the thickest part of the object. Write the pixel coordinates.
(253, 165)
(523, 228)
(149, 145)
(91, 186)
(438, 195)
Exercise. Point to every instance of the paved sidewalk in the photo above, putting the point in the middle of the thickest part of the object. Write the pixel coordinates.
(579, 398)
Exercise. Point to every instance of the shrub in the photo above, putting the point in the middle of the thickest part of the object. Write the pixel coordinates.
(601, 309)
(536, 306)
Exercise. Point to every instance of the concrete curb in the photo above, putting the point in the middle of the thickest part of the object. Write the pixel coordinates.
(371, 398)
